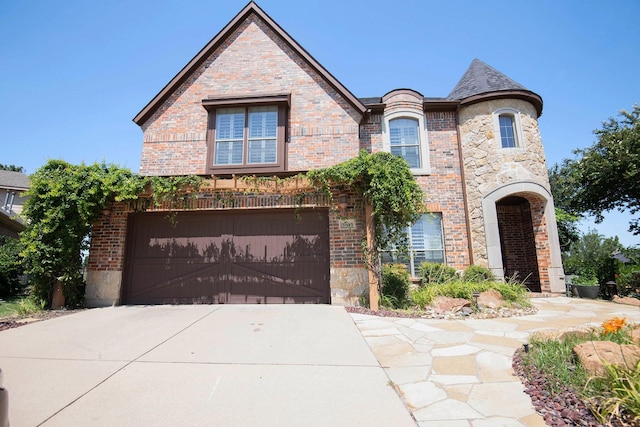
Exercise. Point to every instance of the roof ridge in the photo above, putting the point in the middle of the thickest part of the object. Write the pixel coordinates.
(218, 39)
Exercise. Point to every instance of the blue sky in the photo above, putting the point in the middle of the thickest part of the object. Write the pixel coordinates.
(74, 73)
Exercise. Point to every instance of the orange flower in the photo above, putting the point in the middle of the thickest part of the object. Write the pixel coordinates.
(614, 325)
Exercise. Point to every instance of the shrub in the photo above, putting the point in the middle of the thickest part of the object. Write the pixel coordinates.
(10, 267)
(476, 273)
(515, 292)
(432, 272)
(395, 285)
(585, 280)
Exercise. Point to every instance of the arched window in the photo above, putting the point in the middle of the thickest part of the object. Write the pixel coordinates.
(506, 124)
(404, 137)
(508, 133)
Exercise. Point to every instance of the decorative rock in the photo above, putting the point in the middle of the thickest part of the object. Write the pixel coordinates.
(593, 355)
(626, 300)
(445, 304)
(490, 299)
(635, 335)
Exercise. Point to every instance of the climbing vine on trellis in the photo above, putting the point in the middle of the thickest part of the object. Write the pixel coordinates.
(384, 180)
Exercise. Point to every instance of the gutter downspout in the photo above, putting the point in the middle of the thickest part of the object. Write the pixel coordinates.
(464, 189)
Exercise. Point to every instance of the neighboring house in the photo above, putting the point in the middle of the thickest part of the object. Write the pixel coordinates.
(12, 185)
(254, 102)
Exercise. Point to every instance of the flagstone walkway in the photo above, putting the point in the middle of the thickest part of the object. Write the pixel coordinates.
(457, 373)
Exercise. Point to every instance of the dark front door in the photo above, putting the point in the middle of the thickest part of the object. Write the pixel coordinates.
(254, 257)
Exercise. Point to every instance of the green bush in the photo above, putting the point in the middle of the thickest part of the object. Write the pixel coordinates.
(476, 273)
(515, 292)
(10, 267)
(395, 285)
(432, 272)
(585, 280)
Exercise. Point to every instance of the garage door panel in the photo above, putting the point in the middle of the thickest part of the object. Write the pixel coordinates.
(238, 257)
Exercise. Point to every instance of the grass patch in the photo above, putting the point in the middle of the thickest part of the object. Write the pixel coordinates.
(20, 307)
(615, 395)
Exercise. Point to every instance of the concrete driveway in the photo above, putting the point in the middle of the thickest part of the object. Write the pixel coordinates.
(197, 366)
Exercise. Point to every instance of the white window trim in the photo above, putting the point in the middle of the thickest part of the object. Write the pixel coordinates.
(521, 143)
(422, 134)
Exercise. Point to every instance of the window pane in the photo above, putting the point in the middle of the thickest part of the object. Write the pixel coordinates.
(228, 153)
(263, 129)
(405, 140)
(263, 122)
(262, 151)
(229, 123)
(426, 244)
(507, 132)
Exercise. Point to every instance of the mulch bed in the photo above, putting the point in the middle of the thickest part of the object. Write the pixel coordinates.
(16, 322)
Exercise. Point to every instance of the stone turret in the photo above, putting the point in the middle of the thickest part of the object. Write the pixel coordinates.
(512, 219)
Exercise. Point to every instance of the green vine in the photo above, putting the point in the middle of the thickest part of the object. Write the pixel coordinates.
(384, 180)
(64, 201)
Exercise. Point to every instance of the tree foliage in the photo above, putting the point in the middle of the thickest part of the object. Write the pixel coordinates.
(591, 257)
(63, 202)
(10, 266)
(386, 181)
(606, 176)
(11, 168)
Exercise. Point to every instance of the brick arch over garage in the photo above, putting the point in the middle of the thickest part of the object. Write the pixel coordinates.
(543, 227)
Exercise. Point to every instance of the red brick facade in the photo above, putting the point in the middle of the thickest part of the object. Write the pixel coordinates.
(326, 125)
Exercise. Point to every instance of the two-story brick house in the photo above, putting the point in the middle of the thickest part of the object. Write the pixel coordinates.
(254, 102)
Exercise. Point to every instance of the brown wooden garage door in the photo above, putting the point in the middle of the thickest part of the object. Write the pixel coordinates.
(250, 257)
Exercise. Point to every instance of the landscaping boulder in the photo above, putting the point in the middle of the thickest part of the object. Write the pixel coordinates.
(449, 305)
(594, 355)
(490, 299)
(626, 300)
(635, 335)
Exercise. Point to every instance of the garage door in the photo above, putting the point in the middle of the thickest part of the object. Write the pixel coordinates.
(254, 257)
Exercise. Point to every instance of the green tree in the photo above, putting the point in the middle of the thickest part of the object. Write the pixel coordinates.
(12, 168)
(64, 201)
(606, 176)
(563, 186)
(591, 256)
(10, 266)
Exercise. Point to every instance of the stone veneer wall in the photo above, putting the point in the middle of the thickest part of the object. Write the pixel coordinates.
(488, 166)
(491, 170)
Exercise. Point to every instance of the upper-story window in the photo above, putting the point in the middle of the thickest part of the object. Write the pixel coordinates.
(507, 131)
(507, 125)
(246, 136)
(405, 136)
(250, 137)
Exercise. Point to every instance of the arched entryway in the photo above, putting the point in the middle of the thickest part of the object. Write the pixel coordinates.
(517, 241)
(521, 235)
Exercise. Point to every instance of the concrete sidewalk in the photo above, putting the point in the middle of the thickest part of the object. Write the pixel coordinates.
(457, 373)
(197, 366)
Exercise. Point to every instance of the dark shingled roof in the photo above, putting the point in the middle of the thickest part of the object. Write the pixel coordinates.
(14, 180)
(481, 78)
(371, 100)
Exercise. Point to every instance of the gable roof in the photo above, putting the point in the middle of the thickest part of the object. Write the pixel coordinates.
(481, 81)
(14, 180)
(206, 51)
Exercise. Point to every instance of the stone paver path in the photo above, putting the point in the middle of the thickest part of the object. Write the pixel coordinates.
(457, 373)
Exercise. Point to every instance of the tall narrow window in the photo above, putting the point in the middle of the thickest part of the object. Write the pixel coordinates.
(263, 127)
(508, 131)
(426, 243)
(229, 148)
(404, 136)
